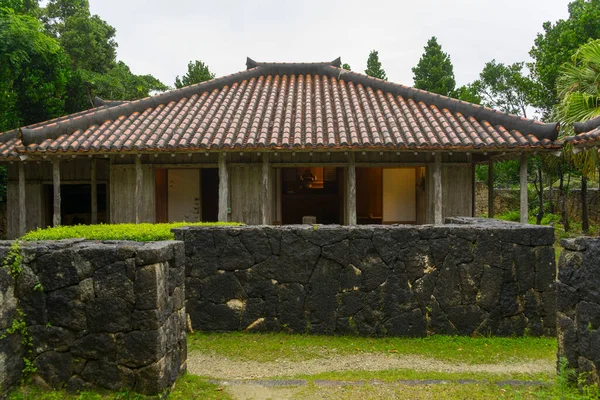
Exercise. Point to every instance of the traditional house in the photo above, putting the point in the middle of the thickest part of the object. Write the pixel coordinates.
(270, 145)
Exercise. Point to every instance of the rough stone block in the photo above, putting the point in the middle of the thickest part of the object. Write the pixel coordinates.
(108, 375)
(108, 315)
(150, 286)
(96, 346)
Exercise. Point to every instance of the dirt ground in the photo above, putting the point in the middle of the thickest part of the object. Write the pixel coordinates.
(236, 376)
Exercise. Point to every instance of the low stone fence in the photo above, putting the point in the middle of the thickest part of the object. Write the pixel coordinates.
(470, 277)
(98, 314)
(578, 304)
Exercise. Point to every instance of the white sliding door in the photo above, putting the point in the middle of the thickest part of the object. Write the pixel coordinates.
(399, 195)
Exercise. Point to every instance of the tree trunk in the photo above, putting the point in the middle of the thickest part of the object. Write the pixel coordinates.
(585, 220)
(564, 219)
(551, 197)
(540, 213)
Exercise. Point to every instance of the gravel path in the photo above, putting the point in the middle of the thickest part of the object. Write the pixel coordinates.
(217, 367)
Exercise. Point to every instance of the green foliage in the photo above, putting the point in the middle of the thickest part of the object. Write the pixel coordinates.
(506, 173)
(468, 93)
(197, 72)
(136, 232)
(13, 259)
(506, 87)
(374, 68)
(187, 387)
(435, 72)
(119, 83)
(346, 67)
(266, 347)
(91, 46)
(557, 43)
(33, 72)
(21, 6)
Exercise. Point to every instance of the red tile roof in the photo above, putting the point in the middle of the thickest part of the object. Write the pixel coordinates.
(587, 133)
(283, 106)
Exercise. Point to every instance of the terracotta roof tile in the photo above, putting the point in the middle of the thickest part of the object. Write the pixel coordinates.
(284, 106)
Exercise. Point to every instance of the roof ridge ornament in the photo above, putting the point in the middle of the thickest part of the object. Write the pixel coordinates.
(586, 126)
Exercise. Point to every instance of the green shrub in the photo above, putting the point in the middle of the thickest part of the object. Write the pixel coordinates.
(514, 216)
(137, 232)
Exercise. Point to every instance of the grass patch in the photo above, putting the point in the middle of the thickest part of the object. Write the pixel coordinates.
(138, 232)
(393, 375)
(438, 391)
(264, 347)
(187, 387)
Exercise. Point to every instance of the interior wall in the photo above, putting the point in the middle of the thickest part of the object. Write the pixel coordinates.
(122, 194)
(183, 195)
(399, 195)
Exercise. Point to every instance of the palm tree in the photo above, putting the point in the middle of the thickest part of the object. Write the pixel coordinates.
(578, 89)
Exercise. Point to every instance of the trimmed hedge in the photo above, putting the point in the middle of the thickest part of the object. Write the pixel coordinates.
(136, 232)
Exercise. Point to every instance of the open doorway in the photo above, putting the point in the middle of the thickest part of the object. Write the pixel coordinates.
(312, 191)
(76, 204)
(386, 195)
(187, 194)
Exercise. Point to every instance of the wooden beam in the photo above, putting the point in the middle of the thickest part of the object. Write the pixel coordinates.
(223, 189)
(437, 190)
(351, 189)
(139, 201)
(490, 189)
(523, 185)
(22, 201)
(94, 198)
(56, 184)
(266, 201)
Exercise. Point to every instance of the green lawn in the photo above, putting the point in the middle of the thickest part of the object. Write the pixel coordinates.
(363, 384)
(273, 346)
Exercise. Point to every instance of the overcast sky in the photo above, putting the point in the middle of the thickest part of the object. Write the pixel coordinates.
(160, 37)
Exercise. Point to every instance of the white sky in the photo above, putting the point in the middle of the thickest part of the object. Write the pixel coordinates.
(160, 37)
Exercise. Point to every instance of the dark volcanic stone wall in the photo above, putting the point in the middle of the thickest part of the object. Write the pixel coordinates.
(470, 277)
(110, 315)
(578, 306)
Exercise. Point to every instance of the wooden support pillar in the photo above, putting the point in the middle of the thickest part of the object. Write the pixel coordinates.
(223, 189)
(94, 198)
(22, 201)
(523, 198)
(266, 198)
(491, 189)
(139, 201)
(351, 189)
(56, 184)
(437, 190)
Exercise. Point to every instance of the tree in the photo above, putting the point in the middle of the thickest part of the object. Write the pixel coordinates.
(33, 72)
(468, 93)
(374, 68)
(90, 42)
(579, 93)
(435, 72)
(506, 88)
(21, 6)
(346, 67)
(197, 72)
(557, 43)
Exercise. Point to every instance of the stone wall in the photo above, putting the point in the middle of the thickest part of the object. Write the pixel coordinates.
(578, 306)
(99, 314)
(470, 277)
(508, 200)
